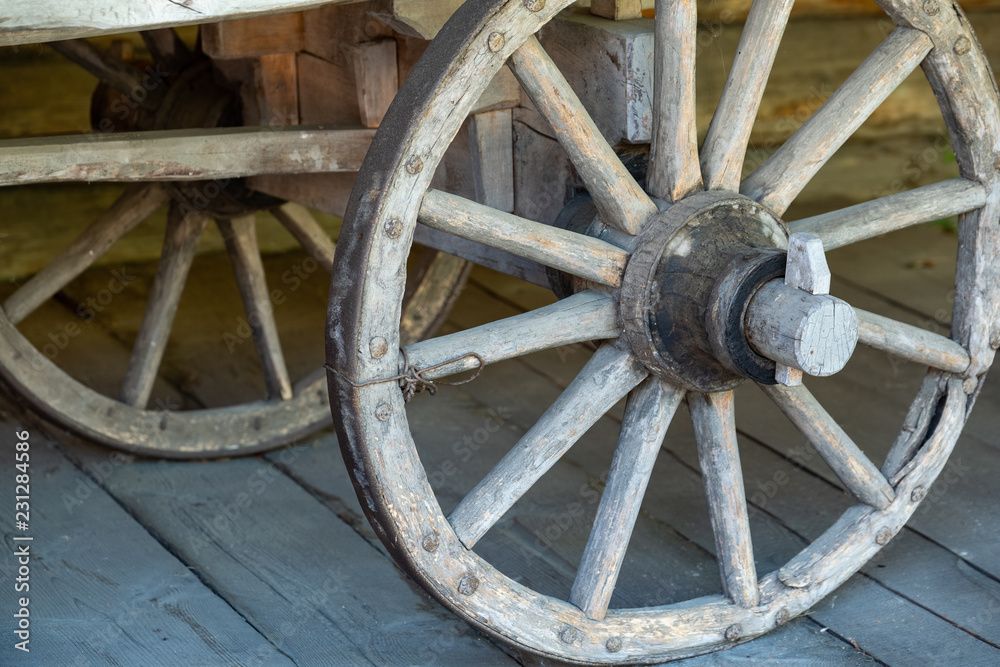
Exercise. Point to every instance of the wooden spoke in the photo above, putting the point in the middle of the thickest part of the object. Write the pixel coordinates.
(674, 171)
(183, 155)
(588, 258)
(303, 226)
(137, 204)
(582, 317)
(608, 377)
(715, 431)
(725, 146)
(861, 477)
(889, 214)
(168, 50)
(779, 180)
(648, 413)
(184, 230)
(619, 199)
(116, 73)
(911, 343)
(244, 254)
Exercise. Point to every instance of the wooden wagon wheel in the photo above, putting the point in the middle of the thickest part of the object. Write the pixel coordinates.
(666, 335)
(195, 173)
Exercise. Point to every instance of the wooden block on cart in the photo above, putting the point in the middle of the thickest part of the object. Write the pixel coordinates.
(329, 29)
(418, 18)
(619, 10)
(276, 87)
(376, 78)
(248, 38)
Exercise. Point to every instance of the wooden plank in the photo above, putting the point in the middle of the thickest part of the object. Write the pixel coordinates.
(418, 18)
(609, 376)
(29, 21)
(491, 143)
(326, 91)
(780, 180)
(276, 84)
(376, 77)
(623, 204)
(568, 251)
(254, 37)
(185, 155)
(674, 170)
(103, 590)
(618, 10)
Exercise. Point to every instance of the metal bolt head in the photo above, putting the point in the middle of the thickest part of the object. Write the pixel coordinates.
(383, 412)
(734, 632)
(379, 347)
(918, 494)
(414, 165)
(931, 7)
(534, 5)
(963, 45)
(496, 41)
(783, 617)
(569, 635)
(883, 536)
(430, 543)
(468, 584)
(614, 644)
(393, 228)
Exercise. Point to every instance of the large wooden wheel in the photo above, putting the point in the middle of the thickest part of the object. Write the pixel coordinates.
(188, 158)
(684, 288)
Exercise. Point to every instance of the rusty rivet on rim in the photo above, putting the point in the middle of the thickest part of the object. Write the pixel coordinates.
(379, 347)
(614, 644)
(734, 632)
(783, 617)
(963, 45)
(393, 228)
(883, 536)
(569, 635)
(918, 494)
(383, 412)
(496, 41)
(534, 5)
(931, 7)
(468, 584)
(414, 165)
(430, 542)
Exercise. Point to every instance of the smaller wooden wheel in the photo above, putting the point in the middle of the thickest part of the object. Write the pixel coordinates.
(180, 148)
(695, 286)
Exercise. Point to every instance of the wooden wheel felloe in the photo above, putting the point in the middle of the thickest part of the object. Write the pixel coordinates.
(180, 148)
(659, 276)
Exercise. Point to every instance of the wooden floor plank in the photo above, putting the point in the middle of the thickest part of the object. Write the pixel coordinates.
(102, 589)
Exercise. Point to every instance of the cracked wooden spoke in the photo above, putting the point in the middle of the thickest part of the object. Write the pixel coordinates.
(780, 180)
(184, 231)
(674, 171)
(582, 317)
(889, 214)
(168, 50)
(303, 226)
(648, 413)
(118, 74)
(619, 199)
(911, 343)
(861, 477)
(240, 235)
(605, 380)
(588, 258)
(725, 147)
(715, 431)
(183, 155)
(137, 204)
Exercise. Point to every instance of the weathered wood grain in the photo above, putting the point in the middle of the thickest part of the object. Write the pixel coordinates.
(725, 146)
(674, 170)
(618, 10)
(138, 202)
(184, 155)
(882, 216)
(911, 343)
(609, 376)
(275, 81)
(303, 226)
(254, 37)
(622, 203)
(184, 231)
(574, 253)
(491, 144)
(376, 76)
(780, 180)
